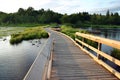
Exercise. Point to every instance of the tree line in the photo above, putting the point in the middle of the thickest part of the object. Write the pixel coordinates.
(42, 16)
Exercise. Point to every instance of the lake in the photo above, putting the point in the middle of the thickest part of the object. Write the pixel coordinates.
(110, 33)
(15, 60)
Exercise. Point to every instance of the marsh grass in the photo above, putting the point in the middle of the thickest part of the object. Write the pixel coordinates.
(68, 30)
(105, 26)
(31, 33)
(115, 53)
(6, 31)
(71, 32)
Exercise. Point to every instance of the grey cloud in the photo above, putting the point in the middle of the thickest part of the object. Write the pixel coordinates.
(104, 10)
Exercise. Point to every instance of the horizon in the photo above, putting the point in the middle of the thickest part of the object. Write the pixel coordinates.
(63, 7)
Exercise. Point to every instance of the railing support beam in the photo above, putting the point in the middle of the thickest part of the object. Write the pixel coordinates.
(99, 48)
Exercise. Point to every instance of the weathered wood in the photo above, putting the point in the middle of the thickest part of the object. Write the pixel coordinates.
(71, 63)
(114, 60)
(39, 68)
(99, 52)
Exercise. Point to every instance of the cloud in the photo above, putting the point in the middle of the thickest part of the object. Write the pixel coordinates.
(104, 10)
(14, 5)
(61, 6)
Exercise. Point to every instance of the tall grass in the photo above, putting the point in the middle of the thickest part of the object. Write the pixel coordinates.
(68, 30)
(31, 33)
(115, 53)
(105, 26)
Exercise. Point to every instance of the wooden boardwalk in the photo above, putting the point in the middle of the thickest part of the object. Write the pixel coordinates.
(70, 63)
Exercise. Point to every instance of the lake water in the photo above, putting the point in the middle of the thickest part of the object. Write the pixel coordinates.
(111, 33)
(15, 60)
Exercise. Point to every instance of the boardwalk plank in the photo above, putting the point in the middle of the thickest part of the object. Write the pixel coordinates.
(71, 63)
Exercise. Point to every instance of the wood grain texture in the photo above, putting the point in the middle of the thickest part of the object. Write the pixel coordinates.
(71, 63)
(109, 42)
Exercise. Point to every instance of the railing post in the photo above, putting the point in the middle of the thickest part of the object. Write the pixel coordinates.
(99, 48)
(83, 41)
(75, 36)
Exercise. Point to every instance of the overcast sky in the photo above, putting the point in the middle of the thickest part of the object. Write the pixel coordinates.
(62, 6)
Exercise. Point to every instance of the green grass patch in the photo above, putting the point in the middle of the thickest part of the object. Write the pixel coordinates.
(105, 26)
(22, 25)
(31, 33)
(115, 53)
(68, 30)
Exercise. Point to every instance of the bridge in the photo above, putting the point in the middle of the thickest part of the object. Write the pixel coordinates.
(64, 59)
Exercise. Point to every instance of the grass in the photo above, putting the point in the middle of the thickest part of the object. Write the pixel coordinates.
(105, 26)
(68, 30)
(23, 25)
(31, 33)
(115, 53)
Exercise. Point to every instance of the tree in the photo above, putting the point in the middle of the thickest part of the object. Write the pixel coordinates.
(21, 11)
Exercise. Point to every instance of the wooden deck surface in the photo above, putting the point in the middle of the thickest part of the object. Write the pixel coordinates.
(70, 63)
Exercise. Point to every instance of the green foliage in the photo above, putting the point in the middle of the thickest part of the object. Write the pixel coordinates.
(29, 16)
(32, 33)
(81, 19)
(105, 26)
(91, 43)
(69, 31)
(115, 53)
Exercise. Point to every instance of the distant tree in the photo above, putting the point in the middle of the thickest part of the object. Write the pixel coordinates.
(65, 19)
(116, 19)
(48, 16)
(21, 11)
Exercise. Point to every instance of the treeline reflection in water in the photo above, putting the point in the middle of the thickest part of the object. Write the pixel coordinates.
(15, 60)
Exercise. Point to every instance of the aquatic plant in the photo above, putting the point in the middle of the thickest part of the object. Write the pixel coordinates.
(115, 53)
(31, 33)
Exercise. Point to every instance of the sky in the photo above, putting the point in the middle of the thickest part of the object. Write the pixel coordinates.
(62, 6)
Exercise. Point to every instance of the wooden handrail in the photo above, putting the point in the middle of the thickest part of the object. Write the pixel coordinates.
(109, 42)
(112, 43)
(112, 59)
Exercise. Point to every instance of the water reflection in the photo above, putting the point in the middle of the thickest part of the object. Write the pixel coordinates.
(113, 33)
(15, 60)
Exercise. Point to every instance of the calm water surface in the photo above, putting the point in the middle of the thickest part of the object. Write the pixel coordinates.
(111, 33)
(15, 60)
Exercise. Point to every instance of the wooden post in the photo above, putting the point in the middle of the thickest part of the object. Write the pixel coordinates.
(83, 41)
(99, 48)
(75, 37)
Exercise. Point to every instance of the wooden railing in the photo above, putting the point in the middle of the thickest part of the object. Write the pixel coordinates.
(99, 40)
